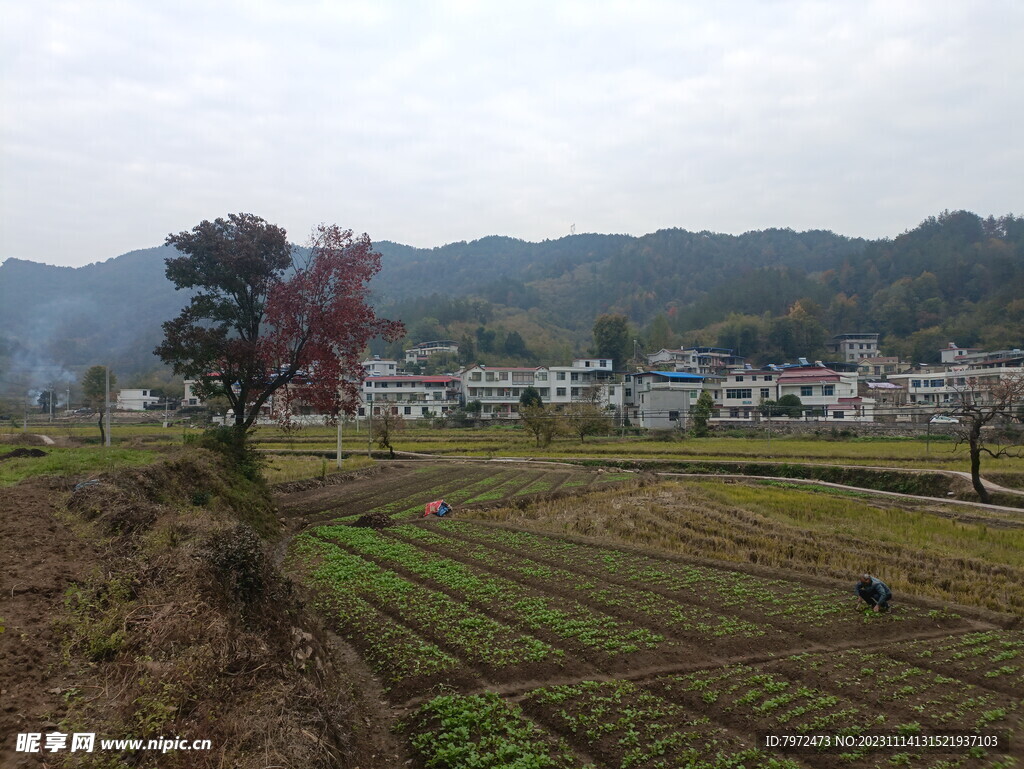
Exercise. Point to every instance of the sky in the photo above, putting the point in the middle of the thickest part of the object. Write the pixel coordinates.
(431, 122)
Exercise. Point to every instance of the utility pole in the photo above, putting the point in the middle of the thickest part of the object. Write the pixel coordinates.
(53, 396)
(340, 416)
(106, 407)
(369, 427)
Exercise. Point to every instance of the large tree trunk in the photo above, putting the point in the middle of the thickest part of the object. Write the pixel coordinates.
(975, 444)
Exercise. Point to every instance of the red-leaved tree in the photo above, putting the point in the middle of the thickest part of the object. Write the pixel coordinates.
(266, 315)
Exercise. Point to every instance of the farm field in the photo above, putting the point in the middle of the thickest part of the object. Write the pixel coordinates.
(499, 644)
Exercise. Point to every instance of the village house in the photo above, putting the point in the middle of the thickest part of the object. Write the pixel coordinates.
(420, 352)
(695, 360)
(744, 390)
(938, 387)
(825, 393)
(851, 348)
(881, 366)
(410, 396)
(129, 399)
(661, 399)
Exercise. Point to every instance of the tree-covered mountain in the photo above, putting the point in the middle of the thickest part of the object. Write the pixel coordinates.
(772, 294)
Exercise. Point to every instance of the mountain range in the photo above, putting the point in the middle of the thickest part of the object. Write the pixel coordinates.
(772, 293)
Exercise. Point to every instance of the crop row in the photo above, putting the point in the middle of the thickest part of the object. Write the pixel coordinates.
(453, 496)
(715, 588)
(939, 700)
(625, 726)
(393, 651)
(507, 488)
(482, 730)
(655, 608)
(473, 636)
(995, 658)
(565, 620)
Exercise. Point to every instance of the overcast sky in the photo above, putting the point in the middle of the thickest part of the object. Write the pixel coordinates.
(426, 123)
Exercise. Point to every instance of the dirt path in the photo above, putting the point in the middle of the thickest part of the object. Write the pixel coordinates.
(41, 557)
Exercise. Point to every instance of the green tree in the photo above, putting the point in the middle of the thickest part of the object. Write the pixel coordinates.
(659, 333)
(530, 397)
(611, 339)
(701, 413)
(94, 389)
(515, 346)
(789, 406)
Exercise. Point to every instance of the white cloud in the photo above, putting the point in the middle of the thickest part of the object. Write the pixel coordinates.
(425, 122)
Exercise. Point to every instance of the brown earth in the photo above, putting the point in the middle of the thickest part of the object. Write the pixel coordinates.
(42, 556)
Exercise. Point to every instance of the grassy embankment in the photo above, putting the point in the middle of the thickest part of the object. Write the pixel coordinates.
(927, 550)
(939, 454)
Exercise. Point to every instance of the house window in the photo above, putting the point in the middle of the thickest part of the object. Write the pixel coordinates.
(838, 414)
(474, 377)
(575, 392)
(739, 393)
(574, 377)
(629, 392)
(560, 392)
(806, 391)
(915, 382)
(603, 362)
(545, 392)
(766, 393)
(425, 410)
(542, 376)
(561, 376)
(936, 383)
(739, 379)
(673, 416)
(767, 377)
(490, 376)
(734, 413)
(828, 389)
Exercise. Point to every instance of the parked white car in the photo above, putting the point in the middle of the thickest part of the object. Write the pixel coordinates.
(942, 419)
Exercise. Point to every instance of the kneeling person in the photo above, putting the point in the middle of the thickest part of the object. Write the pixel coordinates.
(873, 592)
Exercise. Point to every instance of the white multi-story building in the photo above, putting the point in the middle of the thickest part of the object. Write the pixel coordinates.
(191, 399)
(130, 399)
(826, 393)
(940, 387)
(695, 360)
(420, 352)
(744, 390)
(661, 399)
(378, 366)
(410, 397)
(852, 347)
(498, 388)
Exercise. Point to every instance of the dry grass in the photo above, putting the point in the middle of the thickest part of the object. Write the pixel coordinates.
(974, 561)
(282, 468)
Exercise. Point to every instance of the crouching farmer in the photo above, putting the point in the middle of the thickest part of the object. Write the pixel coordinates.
(873, 592)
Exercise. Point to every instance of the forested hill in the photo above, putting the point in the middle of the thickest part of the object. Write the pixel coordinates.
(772, 293)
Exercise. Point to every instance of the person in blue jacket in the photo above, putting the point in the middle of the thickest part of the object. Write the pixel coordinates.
(873, 592)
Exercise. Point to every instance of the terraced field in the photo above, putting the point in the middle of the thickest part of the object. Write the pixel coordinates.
(505, 648)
